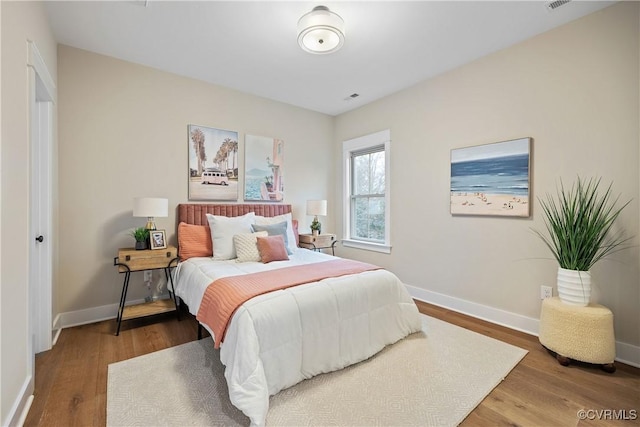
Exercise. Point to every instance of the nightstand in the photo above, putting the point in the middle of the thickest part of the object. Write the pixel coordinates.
(130, 260)
(318, 242)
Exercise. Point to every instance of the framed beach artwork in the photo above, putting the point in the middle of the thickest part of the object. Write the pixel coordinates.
(264, 169)
(492, 179)
(213, 163)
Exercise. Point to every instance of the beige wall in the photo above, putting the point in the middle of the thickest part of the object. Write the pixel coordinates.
(574, 90)
(123, 134)
(21, 21)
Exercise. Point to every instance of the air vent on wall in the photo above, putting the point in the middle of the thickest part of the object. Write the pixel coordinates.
(553, 5)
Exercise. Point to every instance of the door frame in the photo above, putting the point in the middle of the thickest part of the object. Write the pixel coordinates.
(42, 92)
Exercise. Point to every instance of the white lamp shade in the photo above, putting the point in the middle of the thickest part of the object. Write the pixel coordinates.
(317, 207)
(150, 207)
(320, 31)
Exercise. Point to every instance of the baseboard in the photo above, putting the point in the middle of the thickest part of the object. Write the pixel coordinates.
(18, 413)
(628, 354)
(25, 411)
(625, 353)
(494, 315)
(56, 330)
(93, 315)
(88, 315)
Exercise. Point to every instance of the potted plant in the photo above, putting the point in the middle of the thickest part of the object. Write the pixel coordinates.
(578, 224)
(315, 226)
(141, 235)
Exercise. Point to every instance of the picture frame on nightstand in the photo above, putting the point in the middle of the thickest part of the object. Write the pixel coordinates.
(157, 239)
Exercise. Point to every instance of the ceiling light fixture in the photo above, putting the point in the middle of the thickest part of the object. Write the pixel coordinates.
(320, 31)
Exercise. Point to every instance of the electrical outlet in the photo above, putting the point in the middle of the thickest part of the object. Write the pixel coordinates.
(546, 292)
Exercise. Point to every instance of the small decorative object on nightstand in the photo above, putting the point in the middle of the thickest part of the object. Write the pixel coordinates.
(315, 208)
(157, 239)
(318, 242)
(141, 235)
(129, 260)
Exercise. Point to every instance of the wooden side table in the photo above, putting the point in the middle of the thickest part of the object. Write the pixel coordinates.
(578, 333)
(130, 260)
(318, 242)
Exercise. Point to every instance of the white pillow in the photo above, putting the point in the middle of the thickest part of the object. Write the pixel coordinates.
(246, 245)
(223, 229)
(268, 220)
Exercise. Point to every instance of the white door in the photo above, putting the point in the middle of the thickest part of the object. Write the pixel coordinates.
(40, 209)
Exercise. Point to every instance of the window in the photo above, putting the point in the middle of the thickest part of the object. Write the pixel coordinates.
(366, 192)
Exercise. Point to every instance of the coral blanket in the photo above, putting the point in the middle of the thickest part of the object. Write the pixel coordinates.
(225, 295)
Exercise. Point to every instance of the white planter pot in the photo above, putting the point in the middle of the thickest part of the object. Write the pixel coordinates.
(574, 287)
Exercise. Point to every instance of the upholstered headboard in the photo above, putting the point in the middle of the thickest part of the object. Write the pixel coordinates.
(196, 213)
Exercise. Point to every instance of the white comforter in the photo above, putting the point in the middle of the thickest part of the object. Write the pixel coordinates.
(281, 338)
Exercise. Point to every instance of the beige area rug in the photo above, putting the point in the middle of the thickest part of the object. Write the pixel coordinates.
(433, 378)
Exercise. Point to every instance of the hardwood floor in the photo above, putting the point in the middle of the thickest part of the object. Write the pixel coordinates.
(71, 379)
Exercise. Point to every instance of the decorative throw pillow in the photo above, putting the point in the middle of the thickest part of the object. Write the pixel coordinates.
(194, 241)
(291, 238)
(274, 230)
(272, 248)
(246, 247)
(223, 229)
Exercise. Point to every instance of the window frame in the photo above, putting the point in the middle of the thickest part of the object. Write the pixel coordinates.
(382, 138)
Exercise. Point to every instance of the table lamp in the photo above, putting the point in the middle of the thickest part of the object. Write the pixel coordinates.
(315, 208)
(150, 207)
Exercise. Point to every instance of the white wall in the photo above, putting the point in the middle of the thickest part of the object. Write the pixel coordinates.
(575, 91)
(123, 134)
(21, 21)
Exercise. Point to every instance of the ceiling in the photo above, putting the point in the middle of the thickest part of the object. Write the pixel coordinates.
(252, 46)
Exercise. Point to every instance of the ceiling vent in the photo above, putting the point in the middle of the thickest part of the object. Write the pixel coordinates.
(553, 5)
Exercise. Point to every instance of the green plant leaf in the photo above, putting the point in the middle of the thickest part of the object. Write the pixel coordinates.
(579, 224)
(141, 234)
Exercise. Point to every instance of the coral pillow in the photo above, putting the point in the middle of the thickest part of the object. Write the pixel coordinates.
(291, 236)
(274, 229)
(194, 241)
(271, 248)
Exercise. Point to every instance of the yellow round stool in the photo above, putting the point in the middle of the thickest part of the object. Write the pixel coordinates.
(578, 333)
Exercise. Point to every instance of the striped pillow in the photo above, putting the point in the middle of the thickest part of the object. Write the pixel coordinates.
(194, 241)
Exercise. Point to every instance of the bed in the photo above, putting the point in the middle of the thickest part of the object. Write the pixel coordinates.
(276, 339)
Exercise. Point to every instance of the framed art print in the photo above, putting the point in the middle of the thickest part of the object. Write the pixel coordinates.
(492, 179)
(213, 163)
(158, 239)
(264, 169)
